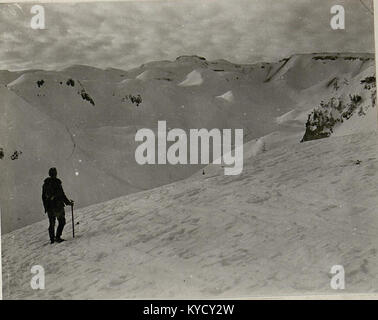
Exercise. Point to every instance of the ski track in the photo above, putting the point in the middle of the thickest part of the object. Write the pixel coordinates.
(278, 228)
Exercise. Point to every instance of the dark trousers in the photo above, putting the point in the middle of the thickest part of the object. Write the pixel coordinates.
(60, 215)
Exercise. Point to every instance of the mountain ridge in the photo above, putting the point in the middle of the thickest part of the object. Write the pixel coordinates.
(93, 105)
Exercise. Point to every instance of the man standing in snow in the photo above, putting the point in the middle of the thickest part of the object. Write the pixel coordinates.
(54, 200)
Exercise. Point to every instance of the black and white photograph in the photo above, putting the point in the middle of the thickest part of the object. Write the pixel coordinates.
(188, 149)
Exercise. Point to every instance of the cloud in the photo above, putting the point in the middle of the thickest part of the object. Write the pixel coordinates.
(125, 35)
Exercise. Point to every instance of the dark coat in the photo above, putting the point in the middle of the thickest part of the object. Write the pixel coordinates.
(53, 196)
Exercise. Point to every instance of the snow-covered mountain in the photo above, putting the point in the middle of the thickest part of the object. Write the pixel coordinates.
(296, 211)
(83, 119)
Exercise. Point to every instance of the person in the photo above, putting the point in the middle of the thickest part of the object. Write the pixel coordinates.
(54, 201)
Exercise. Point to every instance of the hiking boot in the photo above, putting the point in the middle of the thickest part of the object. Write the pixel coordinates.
(59, 240)
(52, 241)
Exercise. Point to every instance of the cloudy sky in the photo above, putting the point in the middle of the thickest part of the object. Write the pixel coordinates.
(125, 35)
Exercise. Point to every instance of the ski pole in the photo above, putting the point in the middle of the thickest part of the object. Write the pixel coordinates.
(73, 223)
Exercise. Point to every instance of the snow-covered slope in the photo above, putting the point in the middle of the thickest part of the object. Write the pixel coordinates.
(92, 116)
(192, 79)
(32, 142)
(278, 228)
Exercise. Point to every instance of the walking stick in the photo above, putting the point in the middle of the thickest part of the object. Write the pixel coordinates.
(73, 222)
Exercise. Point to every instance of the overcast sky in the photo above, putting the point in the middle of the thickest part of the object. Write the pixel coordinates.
(125, 35)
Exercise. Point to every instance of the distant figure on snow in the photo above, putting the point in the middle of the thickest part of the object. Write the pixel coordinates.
(54, 200)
